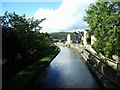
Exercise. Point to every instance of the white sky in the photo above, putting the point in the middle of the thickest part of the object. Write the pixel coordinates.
(68, 16)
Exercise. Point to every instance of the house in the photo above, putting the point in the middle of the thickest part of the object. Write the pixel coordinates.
(74, 37)
(81, 37)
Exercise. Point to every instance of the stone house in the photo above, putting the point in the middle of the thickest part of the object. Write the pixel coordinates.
(74, 37)
(81, 37)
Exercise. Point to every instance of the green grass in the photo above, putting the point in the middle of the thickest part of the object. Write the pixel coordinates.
(24, 77)
(47, 58)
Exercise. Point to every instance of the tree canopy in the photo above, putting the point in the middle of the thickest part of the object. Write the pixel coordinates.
(22, 38)
(103, 19)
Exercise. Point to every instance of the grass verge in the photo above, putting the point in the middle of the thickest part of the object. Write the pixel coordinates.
(23, 78)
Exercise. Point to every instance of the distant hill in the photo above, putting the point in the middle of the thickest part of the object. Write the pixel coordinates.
(59, 35)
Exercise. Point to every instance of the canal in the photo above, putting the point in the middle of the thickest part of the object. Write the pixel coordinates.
(67, 70)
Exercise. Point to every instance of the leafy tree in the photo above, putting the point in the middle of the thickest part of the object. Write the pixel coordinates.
(22, 43)
(22, 38)
(104, 21)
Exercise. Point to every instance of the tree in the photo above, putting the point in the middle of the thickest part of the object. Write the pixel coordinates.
(22, 43)
(20, 37)
(103, 19)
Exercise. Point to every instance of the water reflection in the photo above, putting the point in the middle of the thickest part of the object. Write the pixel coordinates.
(68, 70)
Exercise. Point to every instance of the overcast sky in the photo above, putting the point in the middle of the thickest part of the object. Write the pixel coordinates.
(61, 15)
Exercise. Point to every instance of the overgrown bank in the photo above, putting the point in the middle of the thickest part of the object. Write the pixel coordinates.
(24, 48)
(23, 79)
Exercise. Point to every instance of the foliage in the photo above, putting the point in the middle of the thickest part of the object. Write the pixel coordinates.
(104, 21)
(22, 79)
(59, 35)
(55, 40)
(22, 41)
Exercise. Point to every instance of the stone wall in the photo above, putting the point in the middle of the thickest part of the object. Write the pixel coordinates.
(109, 76)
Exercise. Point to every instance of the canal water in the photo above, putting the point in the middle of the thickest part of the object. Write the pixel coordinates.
(68, 70)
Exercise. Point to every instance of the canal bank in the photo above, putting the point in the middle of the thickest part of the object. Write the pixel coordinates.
(25, 78)
(67, 70)
(46, 61)
(105, 74)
